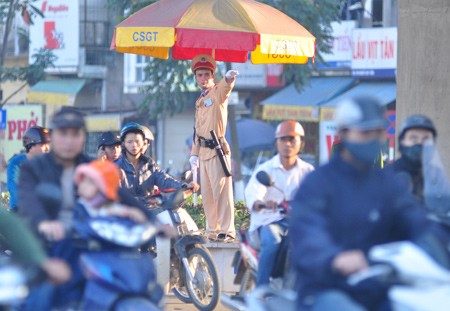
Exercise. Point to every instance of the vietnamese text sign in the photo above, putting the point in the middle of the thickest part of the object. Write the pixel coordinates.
(328, 137)
(19, 119)
(341, 46)
(275, 112)
(374, 52)
(57, 31)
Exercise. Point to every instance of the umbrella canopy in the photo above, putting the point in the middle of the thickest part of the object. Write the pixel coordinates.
(226, 29)
(252, 135)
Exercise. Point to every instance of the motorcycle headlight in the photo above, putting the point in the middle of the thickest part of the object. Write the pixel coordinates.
(12, 285)
(123, 235)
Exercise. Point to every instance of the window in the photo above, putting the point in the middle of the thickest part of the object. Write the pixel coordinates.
(134, 73)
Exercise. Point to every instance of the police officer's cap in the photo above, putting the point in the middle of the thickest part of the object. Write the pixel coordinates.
(417, 121)
(203, 61)
(108, 139)
(361, 113)
(68, 117)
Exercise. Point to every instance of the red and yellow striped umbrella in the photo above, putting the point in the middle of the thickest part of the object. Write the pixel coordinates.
(226, 29)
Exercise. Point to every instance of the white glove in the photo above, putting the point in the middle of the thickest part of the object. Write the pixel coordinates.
(231, 74)
(194, 162)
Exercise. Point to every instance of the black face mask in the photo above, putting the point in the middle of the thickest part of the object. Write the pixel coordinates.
(367, 153)
(412, 153)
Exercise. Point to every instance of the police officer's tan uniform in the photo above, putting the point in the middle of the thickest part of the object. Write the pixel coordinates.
(217, 191)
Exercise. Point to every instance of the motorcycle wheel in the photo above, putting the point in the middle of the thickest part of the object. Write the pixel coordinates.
(248, 283)
(205, 290)
(135, 303)
(182, 294)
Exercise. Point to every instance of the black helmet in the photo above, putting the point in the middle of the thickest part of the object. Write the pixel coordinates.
(417, 121)
(67, 117)
(131, 128)
(361, 113)
(35, 135)
(148, 134)
(108, 139)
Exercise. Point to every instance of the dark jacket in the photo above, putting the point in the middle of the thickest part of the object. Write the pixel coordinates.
(41, 169)
(148, 175)
(411, 174)
(340, 208)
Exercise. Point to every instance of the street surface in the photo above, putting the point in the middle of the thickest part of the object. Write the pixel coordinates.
(173, 304)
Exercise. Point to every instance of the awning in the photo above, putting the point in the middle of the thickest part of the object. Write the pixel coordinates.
(290, 104)
(56, 92)
(384, 92)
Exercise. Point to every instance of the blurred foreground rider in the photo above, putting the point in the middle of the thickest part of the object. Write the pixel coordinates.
(68, 136)
(343, 209)
(36, 142)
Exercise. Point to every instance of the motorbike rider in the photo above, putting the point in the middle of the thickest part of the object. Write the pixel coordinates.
(149, 138)
(287, 170)
(109, 147)
(67, 136)
(140, 173)
(343, 209)
(36, 142)
(414, 131)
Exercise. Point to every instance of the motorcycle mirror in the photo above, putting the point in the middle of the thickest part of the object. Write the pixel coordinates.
(187, 175)
(50, 194)
(264, 178)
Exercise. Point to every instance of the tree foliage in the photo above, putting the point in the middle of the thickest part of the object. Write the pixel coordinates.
(168, 79)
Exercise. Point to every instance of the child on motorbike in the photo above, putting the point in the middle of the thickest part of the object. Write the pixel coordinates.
(98, 183)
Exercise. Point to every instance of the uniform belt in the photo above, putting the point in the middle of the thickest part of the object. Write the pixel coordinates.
(207, 143)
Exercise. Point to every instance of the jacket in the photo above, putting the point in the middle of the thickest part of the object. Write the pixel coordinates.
(413, 178)
(12, 178)
(141, 182)
(338, 208)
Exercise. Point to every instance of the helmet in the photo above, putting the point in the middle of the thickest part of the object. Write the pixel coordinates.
(105, 174)
(416, 121)
(148, 134)
(361, 113)
(68, 117)
(131, 128)
(289, 128)
(35, 135)
(108, 139)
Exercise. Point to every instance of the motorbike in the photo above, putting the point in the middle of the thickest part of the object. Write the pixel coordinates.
(245, 263)
(192, 273)
(417, 282)
(113, 267)
(118, 277)
(15, 281)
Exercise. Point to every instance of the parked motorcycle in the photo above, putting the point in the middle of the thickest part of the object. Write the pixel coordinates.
(193, 273)
(418, 282)
(245, 262)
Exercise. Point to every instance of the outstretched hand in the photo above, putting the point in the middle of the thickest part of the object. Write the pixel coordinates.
(231, 75)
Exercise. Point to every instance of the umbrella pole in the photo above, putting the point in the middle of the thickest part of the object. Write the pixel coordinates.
(235, 152)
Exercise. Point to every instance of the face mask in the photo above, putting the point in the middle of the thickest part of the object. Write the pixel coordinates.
(412, 153)
(364, 152)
